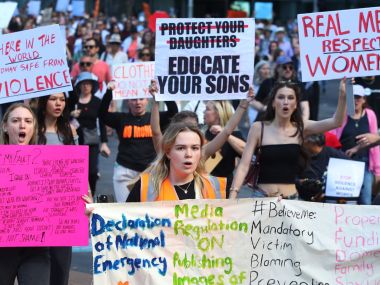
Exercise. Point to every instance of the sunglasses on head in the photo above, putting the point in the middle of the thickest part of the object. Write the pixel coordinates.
(89, 47)
(287, 66)
(85, 63)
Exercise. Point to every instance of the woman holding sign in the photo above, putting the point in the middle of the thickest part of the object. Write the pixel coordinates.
(54, 129)
(363, 121)
(178, 172)
(84, 108)
(31, 265)
(277, 142)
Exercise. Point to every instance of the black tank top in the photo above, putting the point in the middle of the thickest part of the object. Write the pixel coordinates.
(279, 163)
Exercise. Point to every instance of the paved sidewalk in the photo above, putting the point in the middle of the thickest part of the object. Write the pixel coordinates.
(79, 278)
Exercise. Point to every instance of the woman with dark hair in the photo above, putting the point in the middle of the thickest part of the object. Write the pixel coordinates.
(278, 138)
(84, 108)
(53, 121)
(54, 129)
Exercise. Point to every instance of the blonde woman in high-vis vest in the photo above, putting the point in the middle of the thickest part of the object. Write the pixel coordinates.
(178, 172)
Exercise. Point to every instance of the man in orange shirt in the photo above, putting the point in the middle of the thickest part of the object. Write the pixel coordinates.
(99, 67)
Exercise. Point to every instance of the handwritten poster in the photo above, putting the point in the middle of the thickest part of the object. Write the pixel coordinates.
(344, 178)
(246, 241)
(32, 64)
(40, 195)
(132, 80)
(204, 58)
(339, 43)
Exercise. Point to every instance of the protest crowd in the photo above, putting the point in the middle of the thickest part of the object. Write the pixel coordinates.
(271, 142)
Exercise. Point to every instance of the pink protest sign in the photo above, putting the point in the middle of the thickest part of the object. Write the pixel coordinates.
(40, 195)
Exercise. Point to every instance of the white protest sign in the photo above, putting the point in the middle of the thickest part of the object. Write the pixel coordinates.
(78, 8)
(344, 178)
(34, 8)
(132, 80)
(264, 10)
(7, 9)
(32, 64)
(246, 241)
(62, 5)
(339, 43)
(204, 58)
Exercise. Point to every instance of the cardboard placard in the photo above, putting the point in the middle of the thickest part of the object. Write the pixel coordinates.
(32, 64)
(41, 189)
(336, 44)
(205, 59)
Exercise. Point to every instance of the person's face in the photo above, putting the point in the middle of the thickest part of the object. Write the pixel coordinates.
(90, 48)
(20, 126)
(286, 71)
(285, 102)
(264, 71)
(273, 46)
(137, 106)
(185, 154)
(211, 116)
(96, 34)
(115, 47)
(280, 36)
(85, 87)
(85, 64)
(359, 103)
(55, 105)
(145, 55)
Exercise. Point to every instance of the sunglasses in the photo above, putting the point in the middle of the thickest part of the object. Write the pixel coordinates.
(145, 54)
(89, 47)
(85, 63)
(287, 66)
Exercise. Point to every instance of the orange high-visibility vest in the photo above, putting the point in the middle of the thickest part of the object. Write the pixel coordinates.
(214, 188)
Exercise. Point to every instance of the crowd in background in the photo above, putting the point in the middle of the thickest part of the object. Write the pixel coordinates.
(88, 116)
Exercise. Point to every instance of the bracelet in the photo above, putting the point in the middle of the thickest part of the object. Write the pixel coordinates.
(241, 106)
(234, 190)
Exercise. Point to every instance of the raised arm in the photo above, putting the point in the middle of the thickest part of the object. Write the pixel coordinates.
(155, 117)
(314, 127)
(108, 118)
(213, 146)
(245, 161)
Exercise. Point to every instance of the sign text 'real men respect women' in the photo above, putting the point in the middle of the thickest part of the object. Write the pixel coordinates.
(340, 43)
(204, 58)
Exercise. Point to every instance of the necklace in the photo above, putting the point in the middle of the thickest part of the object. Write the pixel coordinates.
(185, 190)
(356, 121)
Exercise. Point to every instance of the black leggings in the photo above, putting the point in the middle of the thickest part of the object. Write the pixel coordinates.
(60, 259)
(31, 265)
(93, 153)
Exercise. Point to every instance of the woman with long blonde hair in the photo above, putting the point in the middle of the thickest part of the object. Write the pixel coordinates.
(178, 172)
